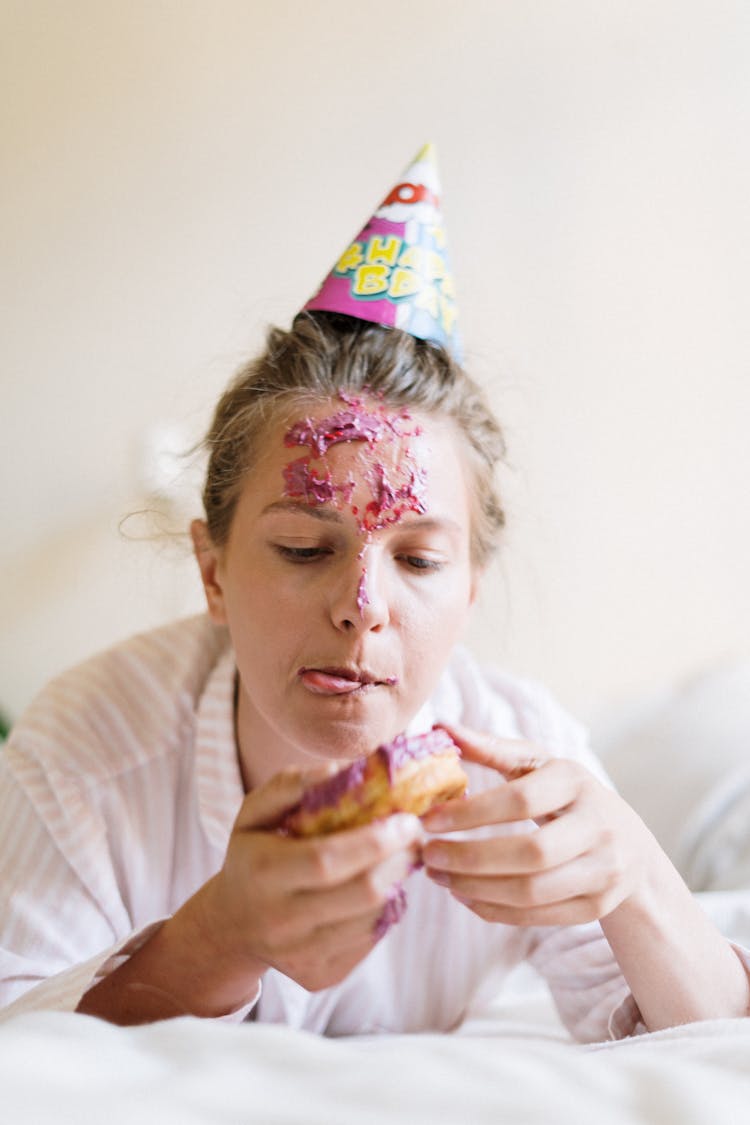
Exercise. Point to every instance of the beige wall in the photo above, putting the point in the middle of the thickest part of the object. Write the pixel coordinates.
(176, 174)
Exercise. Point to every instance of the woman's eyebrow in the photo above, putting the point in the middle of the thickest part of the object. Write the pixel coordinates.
(327, 514)
(428, 523)
(317, 511)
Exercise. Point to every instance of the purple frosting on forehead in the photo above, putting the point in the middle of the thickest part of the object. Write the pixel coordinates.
(386, 496)
(355, 422)
(301, 480)
(389, 504)
(346, 425)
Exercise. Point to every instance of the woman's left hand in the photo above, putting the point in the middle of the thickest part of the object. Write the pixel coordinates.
(589, 856)
(582, 858)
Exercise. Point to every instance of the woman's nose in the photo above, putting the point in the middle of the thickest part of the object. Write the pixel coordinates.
(360, 601)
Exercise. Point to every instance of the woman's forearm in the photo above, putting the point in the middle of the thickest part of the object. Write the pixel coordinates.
(678, 966)
(180, 970)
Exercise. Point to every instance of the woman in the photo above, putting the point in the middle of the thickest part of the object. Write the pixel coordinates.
(349, 513)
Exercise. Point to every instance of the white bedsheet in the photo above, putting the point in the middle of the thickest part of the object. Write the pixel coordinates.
(511, 1062)
(60, 1067)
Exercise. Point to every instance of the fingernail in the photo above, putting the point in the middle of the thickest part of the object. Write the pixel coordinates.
(435, 856)
(441, 877)
(436, 820)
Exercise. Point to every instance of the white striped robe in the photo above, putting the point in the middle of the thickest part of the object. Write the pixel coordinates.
(118, 791)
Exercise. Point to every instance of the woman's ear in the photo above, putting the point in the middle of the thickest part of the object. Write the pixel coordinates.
(208, 559)
(477, 575)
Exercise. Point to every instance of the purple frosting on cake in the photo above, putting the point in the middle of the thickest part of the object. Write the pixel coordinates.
(328, 792)
(404, 748)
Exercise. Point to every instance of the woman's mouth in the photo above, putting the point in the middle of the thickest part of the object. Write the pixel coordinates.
(340, 681)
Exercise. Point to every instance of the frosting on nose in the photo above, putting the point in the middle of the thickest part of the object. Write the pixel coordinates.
(362, 598)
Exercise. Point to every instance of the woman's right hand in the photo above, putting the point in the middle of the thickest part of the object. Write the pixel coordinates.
(307, 907)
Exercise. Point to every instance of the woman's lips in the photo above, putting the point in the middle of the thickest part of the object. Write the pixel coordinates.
(324, 681)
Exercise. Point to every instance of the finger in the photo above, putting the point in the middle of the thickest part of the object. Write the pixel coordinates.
(510, 756)
(559, 841)
(572, 912)
(265, 807)
(538, 794)
(346, 920)
(327, 861)
(584, 877)
(334, 942)
(365, 894)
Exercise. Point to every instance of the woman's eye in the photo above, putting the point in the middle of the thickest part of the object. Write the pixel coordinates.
(301, 554)
(418, 562)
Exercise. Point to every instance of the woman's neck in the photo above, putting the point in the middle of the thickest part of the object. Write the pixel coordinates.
(261, 749)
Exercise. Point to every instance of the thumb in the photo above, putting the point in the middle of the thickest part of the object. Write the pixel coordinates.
(266, 806)
(512, 757)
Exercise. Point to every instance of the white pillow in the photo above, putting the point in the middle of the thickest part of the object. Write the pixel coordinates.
(683, 762)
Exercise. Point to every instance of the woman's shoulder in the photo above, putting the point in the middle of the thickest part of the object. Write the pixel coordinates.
(176, 657)
(126, 703)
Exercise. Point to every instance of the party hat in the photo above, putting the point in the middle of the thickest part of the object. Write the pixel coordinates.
(396, 271)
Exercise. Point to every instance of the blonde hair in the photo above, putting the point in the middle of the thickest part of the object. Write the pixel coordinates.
(324, 354)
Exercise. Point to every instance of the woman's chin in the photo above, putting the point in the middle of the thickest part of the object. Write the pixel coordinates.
(344, 745)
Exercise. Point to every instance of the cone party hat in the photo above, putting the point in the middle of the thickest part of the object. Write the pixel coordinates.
(396, 272)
